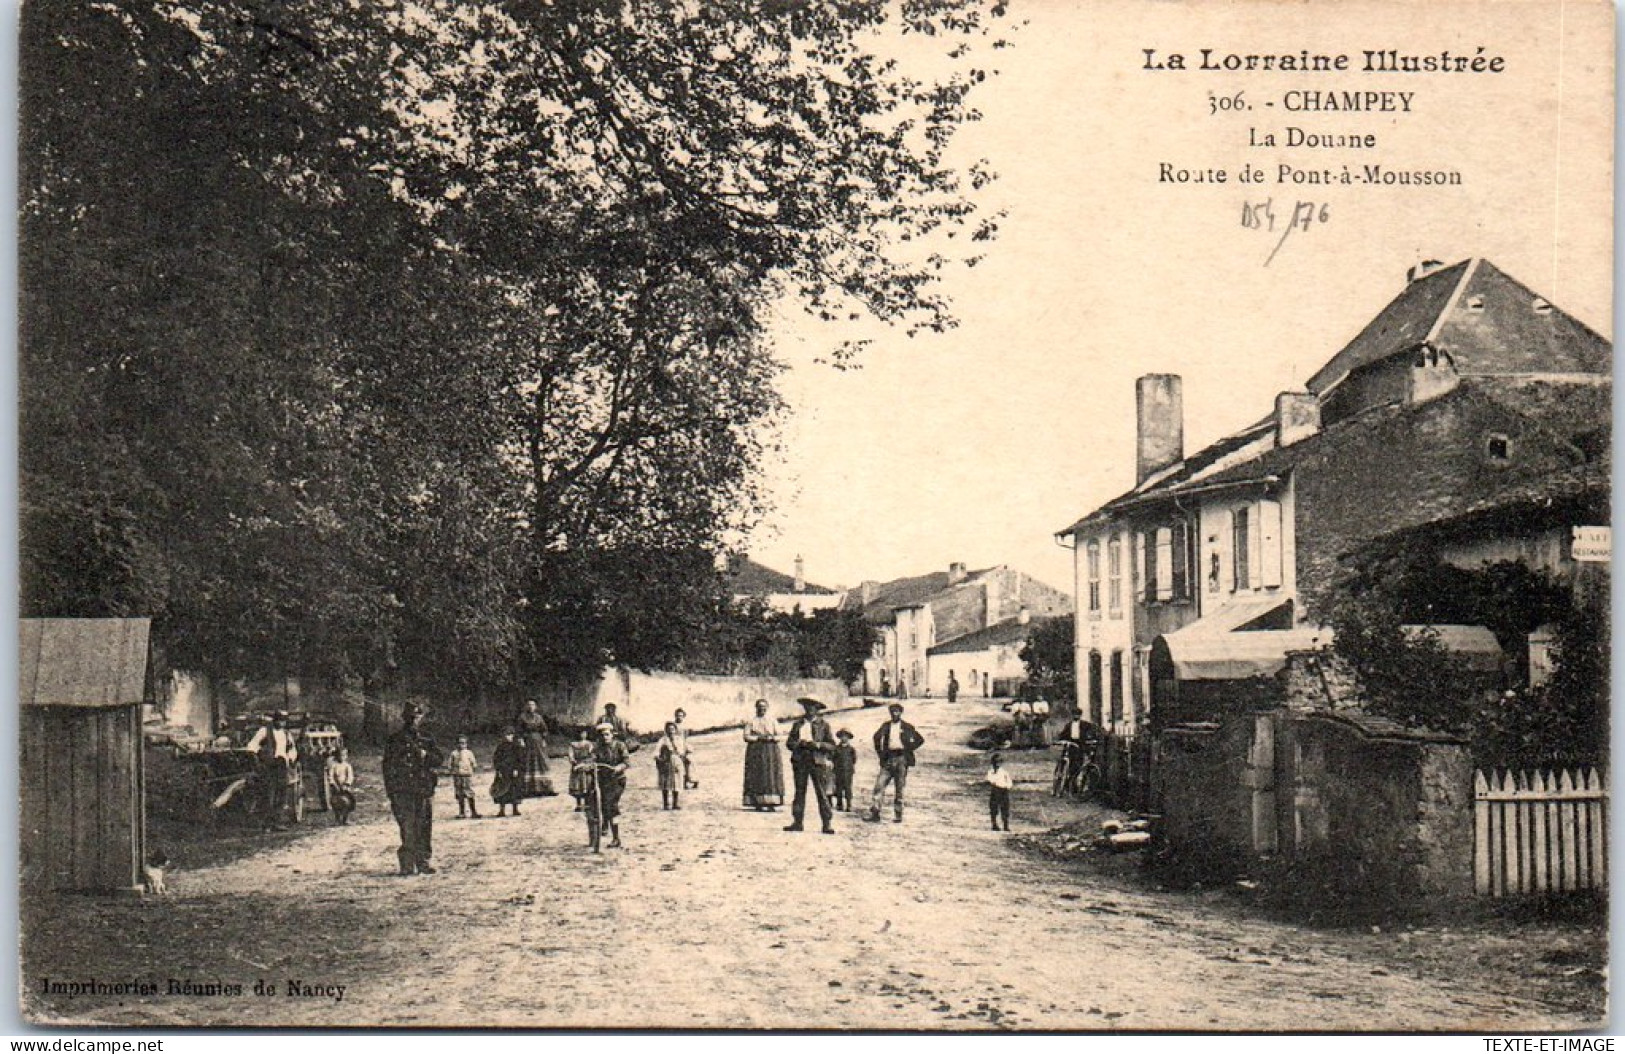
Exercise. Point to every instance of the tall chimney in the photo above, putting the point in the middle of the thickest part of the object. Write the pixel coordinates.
(956, 573)
(866, 591)
(1160, 420)
(801, 575)
(1297, 416)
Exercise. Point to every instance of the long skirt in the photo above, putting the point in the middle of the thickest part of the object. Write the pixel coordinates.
(534, 777)
(764, 774)
(506, 789)
(671, 773)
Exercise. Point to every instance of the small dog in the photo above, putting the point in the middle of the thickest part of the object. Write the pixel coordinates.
(152, 874)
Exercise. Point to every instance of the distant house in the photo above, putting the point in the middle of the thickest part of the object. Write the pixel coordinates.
(1470, 404)
(83, 815)
(987, 661)
(915, 615)
(749, 580)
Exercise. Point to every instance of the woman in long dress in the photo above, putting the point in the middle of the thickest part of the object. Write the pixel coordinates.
(764, 770)
(535, 781)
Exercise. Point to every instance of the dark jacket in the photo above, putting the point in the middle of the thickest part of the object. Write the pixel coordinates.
(509, 758)
(811, 742)
(912, 741)
(410, 760)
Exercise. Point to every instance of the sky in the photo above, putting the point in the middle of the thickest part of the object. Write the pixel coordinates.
(980, 444)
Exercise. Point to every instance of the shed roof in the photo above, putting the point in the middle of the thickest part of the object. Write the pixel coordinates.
(89, 662)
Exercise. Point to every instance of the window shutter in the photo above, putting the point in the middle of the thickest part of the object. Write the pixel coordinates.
(1270, 555)
(1165, 564)
(1179, 572)
(1255, 569)
(1143, 557)
(1238, 550)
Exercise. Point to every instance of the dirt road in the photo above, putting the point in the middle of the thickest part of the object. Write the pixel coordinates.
(714, 917)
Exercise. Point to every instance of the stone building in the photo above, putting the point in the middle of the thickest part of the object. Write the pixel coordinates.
(914, 615)
(1468, 392)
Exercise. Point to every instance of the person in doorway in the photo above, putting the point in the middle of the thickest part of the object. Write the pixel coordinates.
(812, 750)
(689, 782)
(508, 786)
(764, 770)
(669, 766)
(998, 791)
(846, 765)
(461, 765)
(895, 744)
(411, 759)
(953, 687)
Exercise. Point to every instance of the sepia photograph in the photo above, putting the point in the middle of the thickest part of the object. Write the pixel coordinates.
(919, 516)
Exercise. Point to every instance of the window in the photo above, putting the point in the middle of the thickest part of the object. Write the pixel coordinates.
(1498, 447)
(1117, 686)
(1114, 572)
(1094, 578)
(1239, 527)
(1094, 687)
(1167, 563)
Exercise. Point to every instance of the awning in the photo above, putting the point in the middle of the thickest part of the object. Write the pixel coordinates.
(1237, 655)
(1474, 645)
(1208, 651)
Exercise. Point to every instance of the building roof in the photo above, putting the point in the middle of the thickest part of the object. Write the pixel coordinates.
(746, 577)
(90, 662)
(1010, 631)
(906, 593)
(1510, 348)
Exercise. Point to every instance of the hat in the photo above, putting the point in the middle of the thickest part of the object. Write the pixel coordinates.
(843, 732)
(810, 703)
(604, 727)
(895, 706)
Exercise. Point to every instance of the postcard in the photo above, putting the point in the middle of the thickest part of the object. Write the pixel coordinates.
(979, 515)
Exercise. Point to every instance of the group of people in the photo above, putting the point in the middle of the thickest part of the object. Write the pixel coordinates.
(826, 761)
(822, 759)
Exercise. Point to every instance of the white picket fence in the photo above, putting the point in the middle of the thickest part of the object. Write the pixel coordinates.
(1540, 832)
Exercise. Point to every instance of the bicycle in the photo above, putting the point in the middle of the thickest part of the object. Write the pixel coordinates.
(1076, 773)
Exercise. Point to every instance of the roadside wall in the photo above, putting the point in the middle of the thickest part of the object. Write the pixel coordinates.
(1373, 806)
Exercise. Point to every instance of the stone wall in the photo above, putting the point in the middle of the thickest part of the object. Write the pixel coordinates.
(1376, 807)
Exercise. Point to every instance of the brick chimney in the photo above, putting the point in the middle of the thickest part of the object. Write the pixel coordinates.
(866, 592)
(1160, 419)
(801, 575)
(1297, 416)
(956, 573)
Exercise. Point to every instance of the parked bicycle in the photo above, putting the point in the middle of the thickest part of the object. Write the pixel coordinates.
(1076, 772)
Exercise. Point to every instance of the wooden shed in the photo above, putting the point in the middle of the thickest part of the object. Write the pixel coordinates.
(83, 820)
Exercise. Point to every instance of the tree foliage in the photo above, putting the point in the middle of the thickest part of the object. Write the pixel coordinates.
(1052, 661)
(367, 338)
(1413, 678)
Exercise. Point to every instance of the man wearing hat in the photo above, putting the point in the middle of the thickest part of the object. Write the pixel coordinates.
(410, 761)
(895, 744)
(812, 752)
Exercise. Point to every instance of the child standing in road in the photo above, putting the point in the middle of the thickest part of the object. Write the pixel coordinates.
(581, 767)
(846, 763)
(341, 786)
(461, 765)
(998, 795)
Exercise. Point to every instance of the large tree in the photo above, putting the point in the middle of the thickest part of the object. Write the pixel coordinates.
(430, 335)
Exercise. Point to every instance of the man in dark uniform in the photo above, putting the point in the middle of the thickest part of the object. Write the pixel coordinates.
(410, 761)
(895, 744)
(812, 758)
